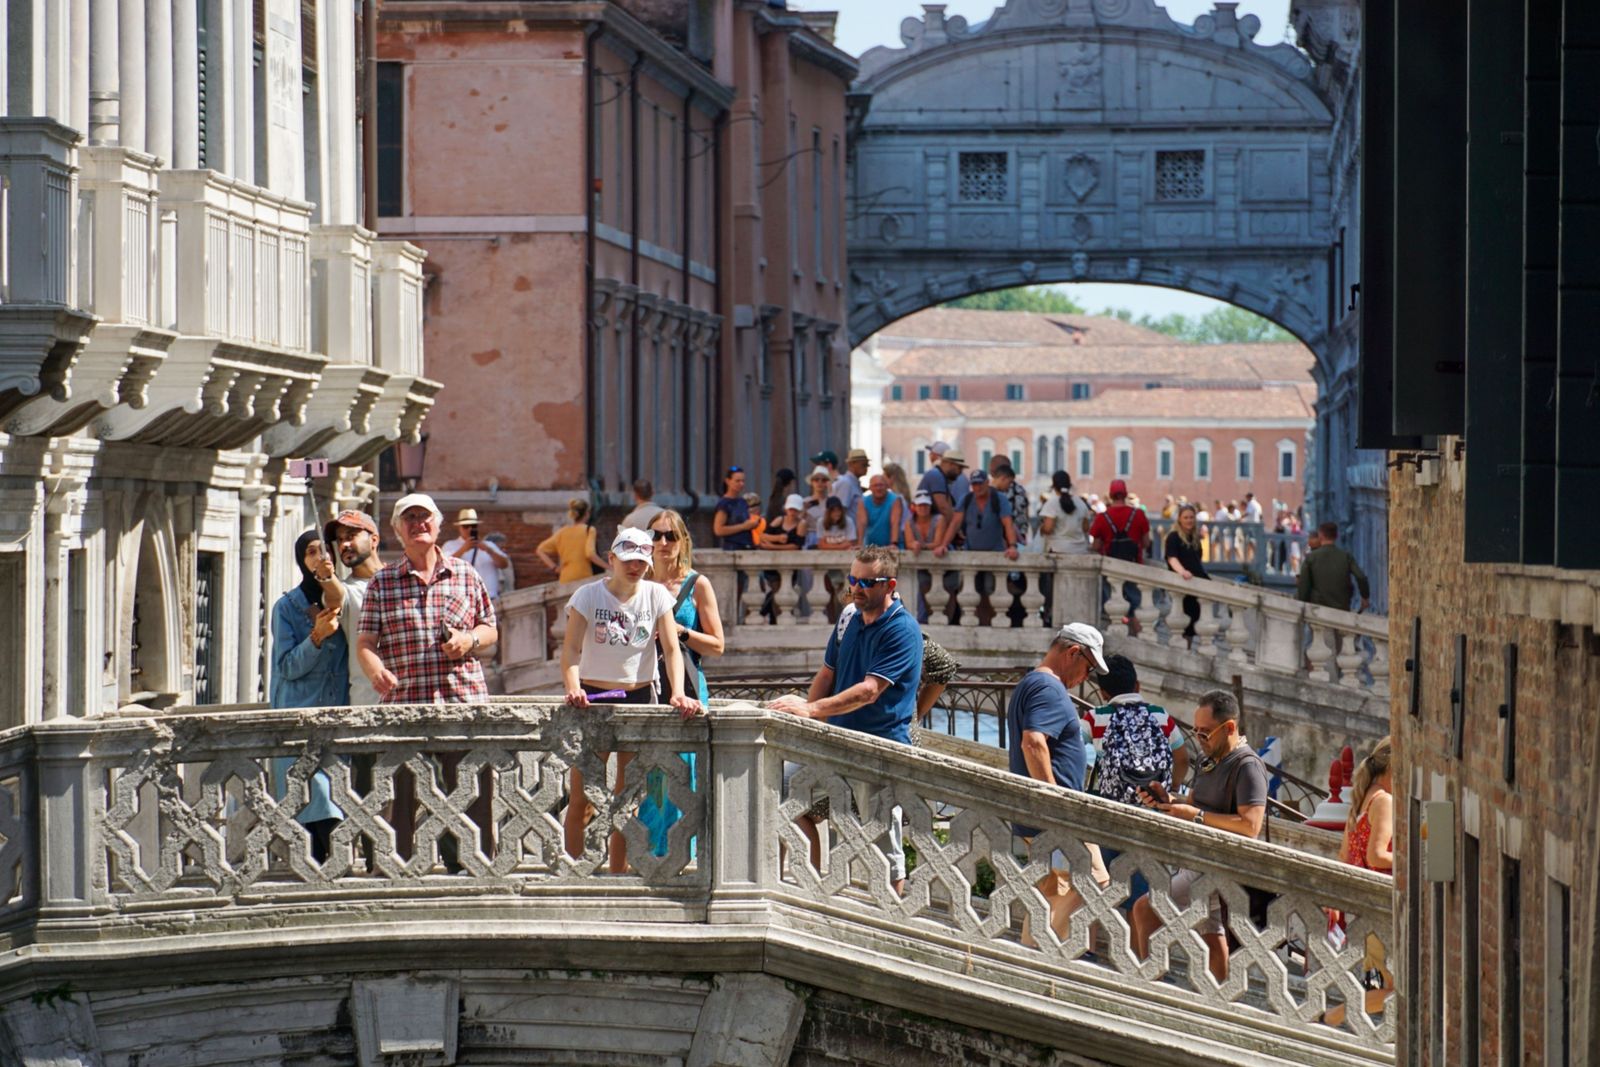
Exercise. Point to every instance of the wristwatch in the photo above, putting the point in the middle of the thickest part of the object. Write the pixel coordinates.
(474, 647)
(1200, 817)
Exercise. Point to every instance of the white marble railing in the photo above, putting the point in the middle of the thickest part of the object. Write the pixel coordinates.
(112, 823)
(1243, 547)
(994, 601)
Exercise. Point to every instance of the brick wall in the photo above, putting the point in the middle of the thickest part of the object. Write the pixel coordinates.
(1546, 819)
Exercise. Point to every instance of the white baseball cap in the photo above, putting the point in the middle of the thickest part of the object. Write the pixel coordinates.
(820, 471)
(922, 496)
(633, 544)
(1081, 633)
(416, 500)
(795, 502)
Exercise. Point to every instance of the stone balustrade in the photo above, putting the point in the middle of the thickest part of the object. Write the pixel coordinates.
(1230, 548)
(984, 602)
(137, 839)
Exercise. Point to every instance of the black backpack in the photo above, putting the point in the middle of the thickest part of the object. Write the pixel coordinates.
(1122, 546)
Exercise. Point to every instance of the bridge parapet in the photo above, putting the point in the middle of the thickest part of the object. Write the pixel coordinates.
(1316, 677)
(133, 841)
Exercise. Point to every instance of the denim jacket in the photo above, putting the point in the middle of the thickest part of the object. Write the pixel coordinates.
(303, 675)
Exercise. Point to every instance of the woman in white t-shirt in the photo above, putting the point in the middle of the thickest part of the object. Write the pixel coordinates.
(613, 627)
(1065, 519)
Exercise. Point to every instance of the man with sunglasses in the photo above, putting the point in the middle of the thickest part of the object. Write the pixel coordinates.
(868, 679)
(1229, 794)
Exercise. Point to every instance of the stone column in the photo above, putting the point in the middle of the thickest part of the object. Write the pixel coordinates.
(336, 80)
(105, 75)
(131, 73)
(158, 73)
(75, 104)
(58, 530)
(255, 503)
(220, 138)
(185, 86)
(244, 91)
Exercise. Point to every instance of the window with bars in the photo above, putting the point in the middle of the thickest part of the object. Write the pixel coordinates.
(982, 177)
(207, 636)
(1181, 175)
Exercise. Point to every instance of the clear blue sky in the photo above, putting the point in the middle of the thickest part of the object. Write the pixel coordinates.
(864, 24)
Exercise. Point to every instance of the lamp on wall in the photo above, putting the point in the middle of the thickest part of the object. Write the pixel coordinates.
(408, 461)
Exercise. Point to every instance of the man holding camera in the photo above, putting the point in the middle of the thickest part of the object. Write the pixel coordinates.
(1229, 794)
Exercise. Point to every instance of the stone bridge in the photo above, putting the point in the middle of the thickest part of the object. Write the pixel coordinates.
(1315, 677)
(161, 905)
(1090, 141)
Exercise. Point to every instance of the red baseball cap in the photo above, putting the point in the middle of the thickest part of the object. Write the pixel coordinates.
(1118, 488)
(356, 520)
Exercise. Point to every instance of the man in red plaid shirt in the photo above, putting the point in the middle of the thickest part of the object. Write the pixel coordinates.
(425, 617)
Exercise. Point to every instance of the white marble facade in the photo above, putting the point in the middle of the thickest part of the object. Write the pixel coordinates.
(187, 302)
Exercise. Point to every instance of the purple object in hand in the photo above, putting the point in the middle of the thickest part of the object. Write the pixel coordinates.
(609, 694)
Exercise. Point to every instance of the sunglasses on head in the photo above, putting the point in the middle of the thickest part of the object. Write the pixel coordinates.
(663, 535)
(735, 470)
(864, 583)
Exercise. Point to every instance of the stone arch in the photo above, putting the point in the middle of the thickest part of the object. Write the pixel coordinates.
(153, 613)
(1090, 141)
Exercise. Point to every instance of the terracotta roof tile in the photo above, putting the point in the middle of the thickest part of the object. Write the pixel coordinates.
(943, 324)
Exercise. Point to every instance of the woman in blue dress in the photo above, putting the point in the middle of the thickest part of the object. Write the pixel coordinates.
(700, 634)
(310, 669)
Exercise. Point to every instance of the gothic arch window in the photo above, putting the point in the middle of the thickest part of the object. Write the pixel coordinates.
(1061, 454)
(1044, 456)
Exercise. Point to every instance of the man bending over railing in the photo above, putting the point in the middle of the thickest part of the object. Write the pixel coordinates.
(868, 681)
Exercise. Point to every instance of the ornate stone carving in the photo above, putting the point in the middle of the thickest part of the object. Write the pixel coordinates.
(1080, 174)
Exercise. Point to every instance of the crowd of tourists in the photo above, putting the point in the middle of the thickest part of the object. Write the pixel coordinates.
(414, 631)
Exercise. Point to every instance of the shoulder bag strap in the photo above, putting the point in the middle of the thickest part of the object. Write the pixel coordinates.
(686, 589)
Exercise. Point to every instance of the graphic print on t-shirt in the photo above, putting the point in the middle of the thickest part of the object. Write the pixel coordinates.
(621, 627)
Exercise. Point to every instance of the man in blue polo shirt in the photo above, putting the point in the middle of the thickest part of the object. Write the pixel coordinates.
(869, 678)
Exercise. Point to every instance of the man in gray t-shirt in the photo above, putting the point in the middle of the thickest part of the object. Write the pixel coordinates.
(1229, 794)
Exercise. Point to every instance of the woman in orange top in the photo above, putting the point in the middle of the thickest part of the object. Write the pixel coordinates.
(573, 546)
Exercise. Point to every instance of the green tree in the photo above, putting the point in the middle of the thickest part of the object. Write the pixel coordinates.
(1027, 298)
(1223, 325)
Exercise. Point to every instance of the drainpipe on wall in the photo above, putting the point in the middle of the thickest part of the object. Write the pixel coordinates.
(688, 278)
(369, 119)
(596, 481)
(727, 334)
(634, 374)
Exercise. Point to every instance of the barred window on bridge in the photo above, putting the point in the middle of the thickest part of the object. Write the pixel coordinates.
(1181, 175)
(982, 177)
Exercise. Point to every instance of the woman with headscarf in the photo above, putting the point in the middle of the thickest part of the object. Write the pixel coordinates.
(310, 669)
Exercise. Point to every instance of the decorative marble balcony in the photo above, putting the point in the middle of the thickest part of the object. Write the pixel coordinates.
(42, 329)
(137, 845)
